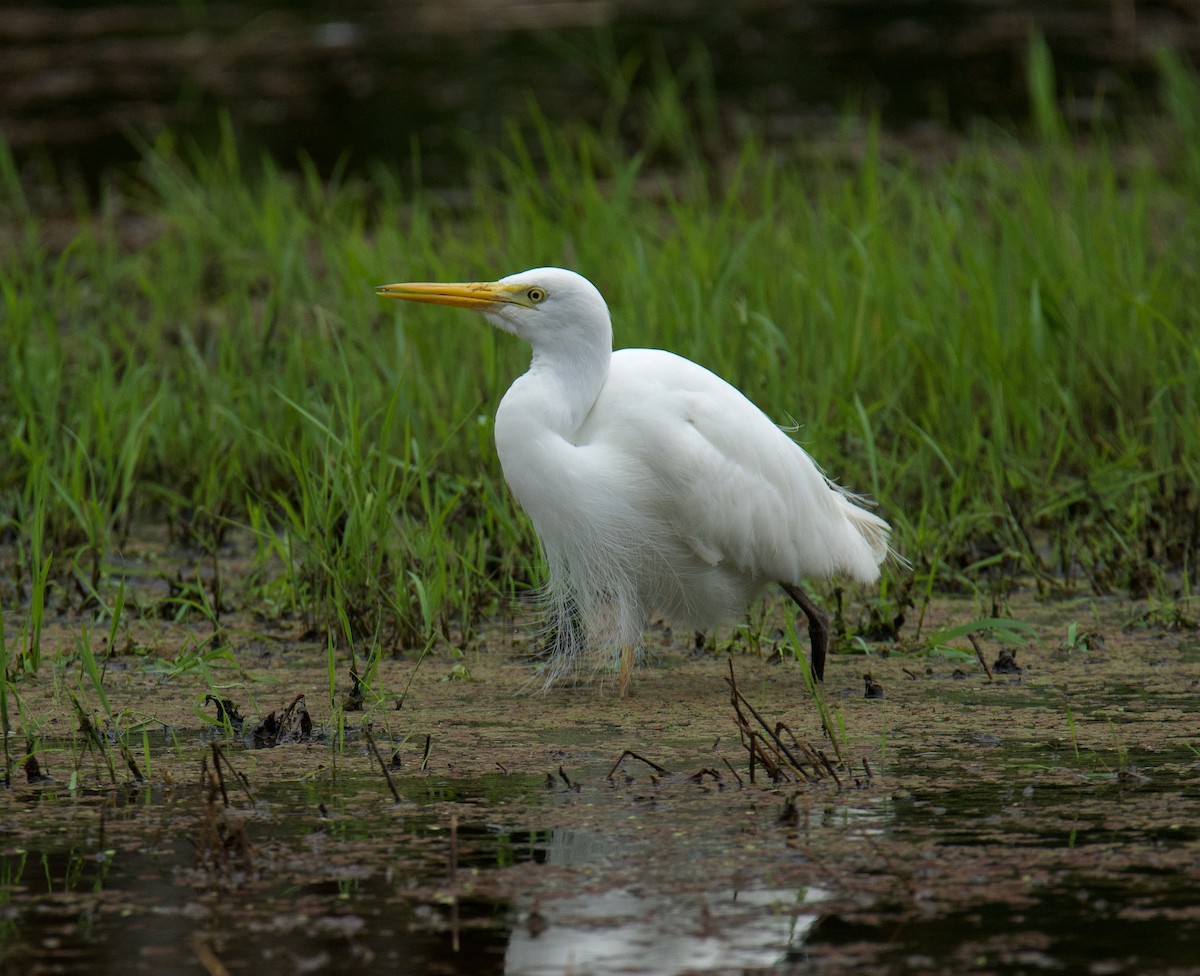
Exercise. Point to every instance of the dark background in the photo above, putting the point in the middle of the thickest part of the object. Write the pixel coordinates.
(77, 81)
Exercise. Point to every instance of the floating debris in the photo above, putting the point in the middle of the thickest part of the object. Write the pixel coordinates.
(293, 724)
(1006, 662)
(353, 701)
(33, 770)
(227, 712)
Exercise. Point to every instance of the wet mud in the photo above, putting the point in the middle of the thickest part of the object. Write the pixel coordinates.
(964, 819)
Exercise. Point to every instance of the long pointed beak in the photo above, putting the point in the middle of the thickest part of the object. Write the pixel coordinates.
(478, 295)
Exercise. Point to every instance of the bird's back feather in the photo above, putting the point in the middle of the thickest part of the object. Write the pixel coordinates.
(727, 477)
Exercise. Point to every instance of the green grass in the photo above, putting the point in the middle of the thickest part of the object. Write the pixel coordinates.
(999, 346)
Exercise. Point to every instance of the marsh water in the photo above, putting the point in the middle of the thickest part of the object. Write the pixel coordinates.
(975, 821)
(86, 82)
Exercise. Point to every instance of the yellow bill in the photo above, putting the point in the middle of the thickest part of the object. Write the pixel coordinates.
(478, 295)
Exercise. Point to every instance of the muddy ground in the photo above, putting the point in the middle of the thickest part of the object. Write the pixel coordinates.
(1020, 822)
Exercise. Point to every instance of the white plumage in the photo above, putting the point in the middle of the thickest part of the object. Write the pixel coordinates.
(656, 488)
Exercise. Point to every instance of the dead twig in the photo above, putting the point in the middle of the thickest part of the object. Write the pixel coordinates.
(768, 747)
(829, 767)
(130, 762)
(219, 775)
(237, 774)
(786, 728)
(223, 849)
(382, 765)
(220, 758)
(633, 755)
(979, 654)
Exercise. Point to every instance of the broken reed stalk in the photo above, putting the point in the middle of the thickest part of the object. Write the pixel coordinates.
(829, 767)
(130, 762)
(783, 726)
(219, 757)
(698, 777)
(93, 737)
(220, 775)
(768, 748)
(979, 654)
(768, 756)
(382, 764)
(223, 849)
(633, 755)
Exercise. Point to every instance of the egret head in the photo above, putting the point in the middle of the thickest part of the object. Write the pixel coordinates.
(543, 306)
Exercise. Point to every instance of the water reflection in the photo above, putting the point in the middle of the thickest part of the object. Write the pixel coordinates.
(137, 915)
(662, 932)
(347, 881)
(630, 931)
(147, 909)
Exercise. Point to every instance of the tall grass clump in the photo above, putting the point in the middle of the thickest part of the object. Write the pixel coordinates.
(997, 344)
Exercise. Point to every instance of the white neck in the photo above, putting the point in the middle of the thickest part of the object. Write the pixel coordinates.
(539, 419)
(559, 390)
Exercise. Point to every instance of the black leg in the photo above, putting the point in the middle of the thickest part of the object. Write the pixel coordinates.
(818, 627)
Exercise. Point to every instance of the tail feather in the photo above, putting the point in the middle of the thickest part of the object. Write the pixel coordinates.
(875, 532)
(871, 529)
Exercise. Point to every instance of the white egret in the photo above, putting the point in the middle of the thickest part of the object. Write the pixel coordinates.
(656, 488)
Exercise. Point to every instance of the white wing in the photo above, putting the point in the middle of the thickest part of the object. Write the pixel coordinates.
(734, 486)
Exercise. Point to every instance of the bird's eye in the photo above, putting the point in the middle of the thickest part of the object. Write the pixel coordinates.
(536, 295)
